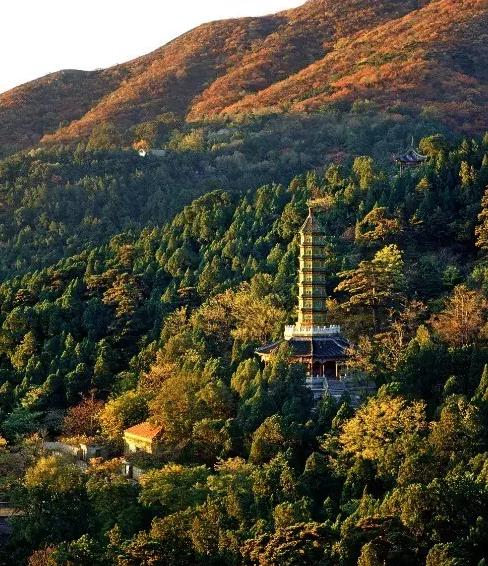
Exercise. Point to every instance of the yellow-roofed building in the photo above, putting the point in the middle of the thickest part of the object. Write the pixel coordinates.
(143, 437)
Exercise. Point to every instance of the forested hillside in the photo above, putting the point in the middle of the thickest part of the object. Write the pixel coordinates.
(163, 323)
(421, 58)
(149, 239)
(56, 202)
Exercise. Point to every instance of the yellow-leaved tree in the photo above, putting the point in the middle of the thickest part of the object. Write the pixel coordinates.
(383, 431)
(246, 313)
(463, 317)
(482, 228)
(122, 412)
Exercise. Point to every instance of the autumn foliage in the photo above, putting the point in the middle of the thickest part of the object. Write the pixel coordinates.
(424, 57)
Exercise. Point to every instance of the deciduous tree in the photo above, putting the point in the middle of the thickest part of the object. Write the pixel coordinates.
(461, 321)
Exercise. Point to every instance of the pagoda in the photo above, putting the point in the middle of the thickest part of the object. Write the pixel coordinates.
(322, 349)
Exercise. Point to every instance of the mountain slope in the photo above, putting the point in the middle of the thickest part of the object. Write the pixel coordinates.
(306, 35)
(29, 111)
(204, 71)
(421, 55)
(172, 76)
(408, 60)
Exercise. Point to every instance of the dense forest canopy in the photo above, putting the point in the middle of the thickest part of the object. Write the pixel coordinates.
(149, 220)
(162, 323)
(56, 202)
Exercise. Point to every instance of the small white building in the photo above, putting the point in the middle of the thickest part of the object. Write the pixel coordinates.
(154, 152)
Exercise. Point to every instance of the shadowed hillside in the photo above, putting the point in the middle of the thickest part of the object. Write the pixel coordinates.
(29, 111)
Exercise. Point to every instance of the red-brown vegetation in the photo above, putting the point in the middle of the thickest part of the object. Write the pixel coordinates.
(427, 55)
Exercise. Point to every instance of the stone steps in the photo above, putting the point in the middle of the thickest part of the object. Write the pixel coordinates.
(357, 391)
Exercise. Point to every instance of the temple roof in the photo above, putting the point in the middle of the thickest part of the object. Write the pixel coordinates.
(327, 347)
(411, 156)
(311, 224)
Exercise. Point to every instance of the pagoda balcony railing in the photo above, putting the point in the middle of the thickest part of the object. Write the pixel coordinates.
(313, 256)
(313, 269)
(308, 292)
(317, 311)
(306, 331)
